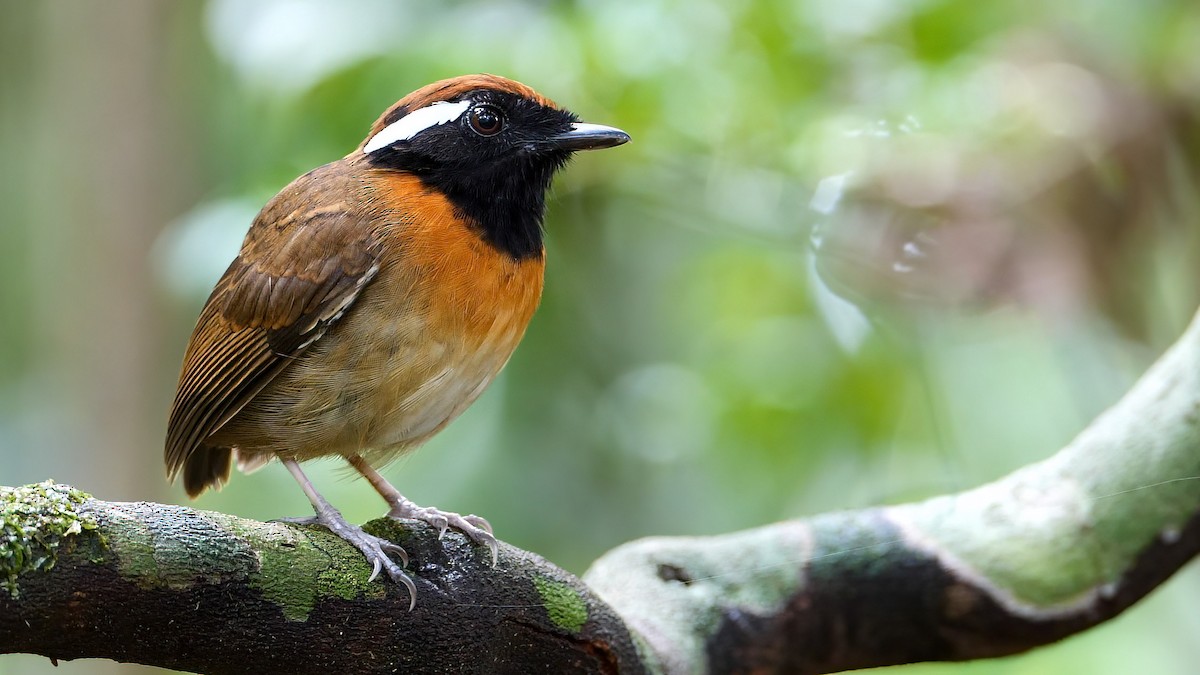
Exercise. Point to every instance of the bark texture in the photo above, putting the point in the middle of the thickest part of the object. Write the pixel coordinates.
(205, 592)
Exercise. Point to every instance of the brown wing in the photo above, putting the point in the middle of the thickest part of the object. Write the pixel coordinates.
(298, 271)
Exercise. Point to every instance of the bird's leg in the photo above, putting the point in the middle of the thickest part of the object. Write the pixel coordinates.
(376, 549)
(475, 527)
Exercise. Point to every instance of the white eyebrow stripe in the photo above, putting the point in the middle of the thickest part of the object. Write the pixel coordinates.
(415, 122)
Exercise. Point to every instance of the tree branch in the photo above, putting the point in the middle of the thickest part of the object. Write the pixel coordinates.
(1046, 552)
(201, 591)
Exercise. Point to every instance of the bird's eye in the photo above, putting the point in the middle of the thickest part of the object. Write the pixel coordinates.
(486, 120)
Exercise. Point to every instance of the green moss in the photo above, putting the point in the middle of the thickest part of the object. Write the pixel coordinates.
(392, 530)
(347, 581)
(285, 578)
(135, 551)
(347, 571)
(299, 564)
(293, 566)
(564, 605)
(35, 520)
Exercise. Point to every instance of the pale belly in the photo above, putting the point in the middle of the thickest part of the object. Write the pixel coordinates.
(376, 385)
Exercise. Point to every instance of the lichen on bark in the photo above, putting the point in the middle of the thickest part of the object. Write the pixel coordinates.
(35, 520)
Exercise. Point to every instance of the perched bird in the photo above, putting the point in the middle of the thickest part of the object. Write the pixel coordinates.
(376, 297)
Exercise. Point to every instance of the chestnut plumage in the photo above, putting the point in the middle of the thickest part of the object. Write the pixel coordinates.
(376, 297)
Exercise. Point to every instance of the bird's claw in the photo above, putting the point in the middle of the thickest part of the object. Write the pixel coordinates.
(396, 550)
(477, 528)
(394, 572)
(378, 552)
(480, 522)
(441, 522)
(484, 534)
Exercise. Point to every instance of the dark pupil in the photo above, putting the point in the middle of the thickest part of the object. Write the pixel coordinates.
(485, 121)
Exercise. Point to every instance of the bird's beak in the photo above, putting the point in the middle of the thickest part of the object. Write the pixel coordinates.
(584, 136)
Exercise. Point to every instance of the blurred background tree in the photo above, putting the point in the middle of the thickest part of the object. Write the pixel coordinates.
(859, 252)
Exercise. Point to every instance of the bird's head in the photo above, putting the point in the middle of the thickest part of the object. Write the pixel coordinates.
(490, 145)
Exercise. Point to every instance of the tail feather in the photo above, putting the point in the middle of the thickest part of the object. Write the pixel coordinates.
(206, 467)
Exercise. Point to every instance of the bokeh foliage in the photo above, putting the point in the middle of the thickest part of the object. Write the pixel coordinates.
(858, 252)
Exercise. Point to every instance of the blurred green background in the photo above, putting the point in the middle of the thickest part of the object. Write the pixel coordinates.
(1006, 192)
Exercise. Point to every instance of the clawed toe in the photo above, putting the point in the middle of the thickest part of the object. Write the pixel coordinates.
(481, 532)
(479, 522)
(395, 573)
(483, 537)
(378, 552)
(477, 528)
(396, 550)
(439, 521)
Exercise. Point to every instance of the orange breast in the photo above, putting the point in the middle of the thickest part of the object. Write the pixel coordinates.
(469, 288)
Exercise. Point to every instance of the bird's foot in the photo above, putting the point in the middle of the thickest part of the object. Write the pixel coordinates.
(377, 550)
(475, 527)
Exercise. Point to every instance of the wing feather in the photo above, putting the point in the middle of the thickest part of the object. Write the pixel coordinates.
(299, 270)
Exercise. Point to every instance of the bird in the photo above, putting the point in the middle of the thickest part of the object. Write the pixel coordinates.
(375, 297)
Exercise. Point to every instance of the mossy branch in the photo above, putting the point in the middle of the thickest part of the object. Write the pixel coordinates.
(1046, 552)
(206, 592)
